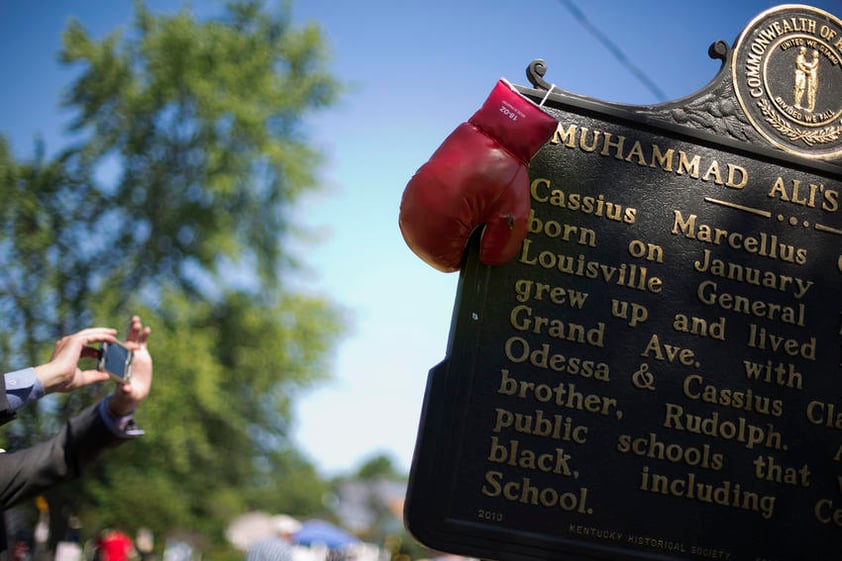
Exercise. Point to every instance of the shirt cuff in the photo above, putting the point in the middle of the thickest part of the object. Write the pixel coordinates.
(22, 387)
(121, 426)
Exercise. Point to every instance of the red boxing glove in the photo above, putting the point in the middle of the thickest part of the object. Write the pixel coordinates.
(479, 175)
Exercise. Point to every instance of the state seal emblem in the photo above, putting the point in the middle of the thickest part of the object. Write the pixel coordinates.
(787, 72)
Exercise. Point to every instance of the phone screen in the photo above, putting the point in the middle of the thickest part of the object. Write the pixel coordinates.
(117, 361)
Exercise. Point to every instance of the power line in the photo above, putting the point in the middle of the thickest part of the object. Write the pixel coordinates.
(614, 50)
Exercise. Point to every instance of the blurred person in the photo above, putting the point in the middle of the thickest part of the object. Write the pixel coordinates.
(278, 546)
(145, 544)
(108, 423)
(116, 545)
(21, 550)
(70, 548)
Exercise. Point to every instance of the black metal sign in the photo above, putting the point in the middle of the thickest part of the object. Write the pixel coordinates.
(658, 373)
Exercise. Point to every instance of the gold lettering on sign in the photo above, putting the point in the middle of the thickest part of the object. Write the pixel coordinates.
(781, 374)
(652, 447)
(542, 191)
(717, 426)
(563, 232)
(697, 389)
(709, 294)
(633, 312)
(751, 276)
(562, 395)
(715, 329)
(629, 275)
(522, 490)
(763, 244)
(768, 469)
(528, 290)
(824, 414)
(722, 493)
(828, 512)
(669, 353)
(540, 423)
(810, 195)
(760, 338)
(522, 318)
(679, 162)
(514, 454)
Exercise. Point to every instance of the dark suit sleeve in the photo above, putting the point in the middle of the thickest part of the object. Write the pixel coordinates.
(30, 471)
(6, 414)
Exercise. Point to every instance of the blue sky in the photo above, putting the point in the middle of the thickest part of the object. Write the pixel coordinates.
(415, 70)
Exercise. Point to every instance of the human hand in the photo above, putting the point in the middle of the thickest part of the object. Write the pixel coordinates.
(62, 372)
(127, 396)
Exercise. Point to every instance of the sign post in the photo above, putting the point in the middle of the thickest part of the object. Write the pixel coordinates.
(658, 373)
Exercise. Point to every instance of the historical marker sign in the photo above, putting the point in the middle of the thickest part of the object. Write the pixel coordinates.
(658, 373)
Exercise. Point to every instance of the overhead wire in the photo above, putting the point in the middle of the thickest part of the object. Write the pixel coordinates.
(614, 49)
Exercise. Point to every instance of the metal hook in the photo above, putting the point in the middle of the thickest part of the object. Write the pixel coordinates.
(535, 74)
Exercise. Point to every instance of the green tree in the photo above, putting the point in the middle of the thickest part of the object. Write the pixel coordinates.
(177, 201)
(379, 466)
(203, 121)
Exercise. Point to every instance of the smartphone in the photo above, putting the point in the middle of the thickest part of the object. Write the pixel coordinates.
(116, 359)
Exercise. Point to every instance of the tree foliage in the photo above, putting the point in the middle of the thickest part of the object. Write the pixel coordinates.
(203, 121)
(177, 201)
(379, 466)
